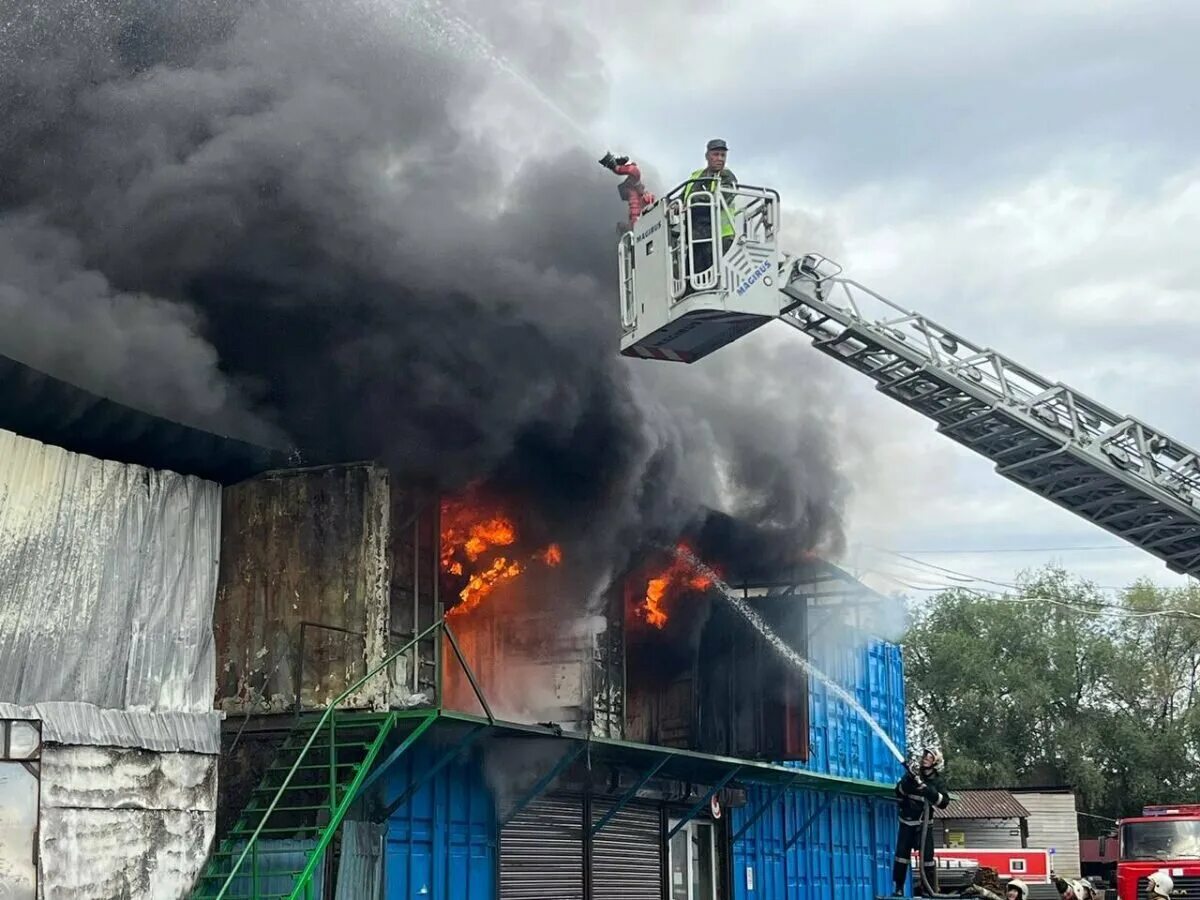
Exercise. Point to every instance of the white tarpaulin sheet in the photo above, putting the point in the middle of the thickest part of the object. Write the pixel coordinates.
(107, 581)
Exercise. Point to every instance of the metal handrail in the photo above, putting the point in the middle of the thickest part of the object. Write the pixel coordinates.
(325, 717)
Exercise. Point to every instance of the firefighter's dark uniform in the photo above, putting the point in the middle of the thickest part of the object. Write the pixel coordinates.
(913, 796)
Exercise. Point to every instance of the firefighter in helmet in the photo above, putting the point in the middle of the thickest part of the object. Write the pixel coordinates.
(1082, 889)
(1159, 886)
(1016, 889)
(632, 190)
(919, 791)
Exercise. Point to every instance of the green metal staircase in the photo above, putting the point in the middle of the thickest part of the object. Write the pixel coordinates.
(276, 849)
(301, 800)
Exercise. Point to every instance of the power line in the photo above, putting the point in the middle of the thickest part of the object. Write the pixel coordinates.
(1026, 549)
(1091, 609)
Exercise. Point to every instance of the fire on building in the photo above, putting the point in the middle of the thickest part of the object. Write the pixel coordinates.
(227, 676)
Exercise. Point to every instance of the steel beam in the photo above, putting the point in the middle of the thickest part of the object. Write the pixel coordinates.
(487, 710)
(446, 759)
(702, 802)
(624, 799)
(803, 829)
(767, 804)
(410, 739)
(545, 781)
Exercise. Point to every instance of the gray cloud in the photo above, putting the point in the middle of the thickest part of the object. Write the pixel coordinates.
(281, 222)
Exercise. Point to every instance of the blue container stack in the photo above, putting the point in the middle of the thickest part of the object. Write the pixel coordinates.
(812, 845)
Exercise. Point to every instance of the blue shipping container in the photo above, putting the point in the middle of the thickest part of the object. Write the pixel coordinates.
(441, 843)
(840, 845)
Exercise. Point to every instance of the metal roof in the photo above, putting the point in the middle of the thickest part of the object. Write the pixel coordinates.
(982, 805)
(48, 409)
(683, 765)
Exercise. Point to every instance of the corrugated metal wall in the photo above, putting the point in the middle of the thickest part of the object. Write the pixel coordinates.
(440, 844)
(845, 844)
(1053, 825)
(841, 742)
(107, 579)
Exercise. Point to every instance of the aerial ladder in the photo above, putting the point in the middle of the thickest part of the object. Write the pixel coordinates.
(685, 293)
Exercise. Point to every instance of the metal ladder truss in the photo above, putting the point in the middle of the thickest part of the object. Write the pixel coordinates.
(277, 847)
(1110, 469)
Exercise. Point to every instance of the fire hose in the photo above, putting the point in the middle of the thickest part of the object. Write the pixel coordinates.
(926, 817)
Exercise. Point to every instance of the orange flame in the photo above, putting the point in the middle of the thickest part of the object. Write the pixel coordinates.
(679, 575)
(470, 534)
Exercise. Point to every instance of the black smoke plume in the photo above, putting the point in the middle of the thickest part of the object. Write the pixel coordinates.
(306, 222)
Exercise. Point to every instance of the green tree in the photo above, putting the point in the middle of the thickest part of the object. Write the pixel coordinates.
(1048, 687)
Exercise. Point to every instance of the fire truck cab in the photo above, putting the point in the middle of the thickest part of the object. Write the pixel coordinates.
(687, 291)
(1162, 838)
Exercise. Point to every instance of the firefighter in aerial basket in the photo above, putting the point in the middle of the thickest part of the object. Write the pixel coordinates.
(632, 191)
(919, 791)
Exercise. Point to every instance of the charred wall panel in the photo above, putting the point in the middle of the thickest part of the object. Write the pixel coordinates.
(714, 684)
(532, 665)
(304, 557)
(123, 823)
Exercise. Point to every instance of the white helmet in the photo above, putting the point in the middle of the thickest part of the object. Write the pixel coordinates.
(1016, 884)
(1084, 889)
(938, 759)
(1161, 884)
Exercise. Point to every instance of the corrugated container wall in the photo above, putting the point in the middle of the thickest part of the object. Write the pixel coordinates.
(441, 842)
(812, 845)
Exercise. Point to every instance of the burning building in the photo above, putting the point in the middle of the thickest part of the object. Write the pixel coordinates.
(229, 675)
(356, 672)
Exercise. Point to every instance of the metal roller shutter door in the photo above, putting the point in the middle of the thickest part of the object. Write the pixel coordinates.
(627, 854)
(541, 851)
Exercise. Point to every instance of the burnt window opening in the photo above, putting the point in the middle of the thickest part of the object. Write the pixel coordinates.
(20, 797)
(699, 677)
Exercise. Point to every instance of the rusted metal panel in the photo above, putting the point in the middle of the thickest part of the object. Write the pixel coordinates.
(532, 665)
(304, 556)
(121, 823)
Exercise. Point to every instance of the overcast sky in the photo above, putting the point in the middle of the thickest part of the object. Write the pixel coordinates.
(1024, 172)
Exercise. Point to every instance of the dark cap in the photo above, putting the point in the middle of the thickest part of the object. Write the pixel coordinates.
(716, 144)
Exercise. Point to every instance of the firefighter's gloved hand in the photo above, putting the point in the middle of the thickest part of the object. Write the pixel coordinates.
(608, 161)
(621, 160)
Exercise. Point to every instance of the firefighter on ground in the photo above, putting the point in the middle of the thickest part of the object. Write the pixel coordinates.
(1159, 886)
(714, 178)
(1016, 889)
(632, 191)
(1080, 889)
(920, 791)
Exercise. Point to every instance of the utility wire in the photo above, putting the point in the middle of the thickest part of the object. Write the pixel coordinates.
(1025, 549)
(1091, 609)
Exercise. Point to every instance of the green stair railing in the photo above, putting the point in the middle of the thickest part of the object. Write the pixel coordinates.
(326, 790)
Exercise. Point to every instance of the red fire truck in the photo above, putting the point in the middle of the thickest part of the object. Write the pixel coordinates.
(1165, 838)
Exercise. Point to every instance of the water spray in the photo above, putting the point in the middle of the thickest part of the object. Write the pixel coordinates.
(751, 615)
